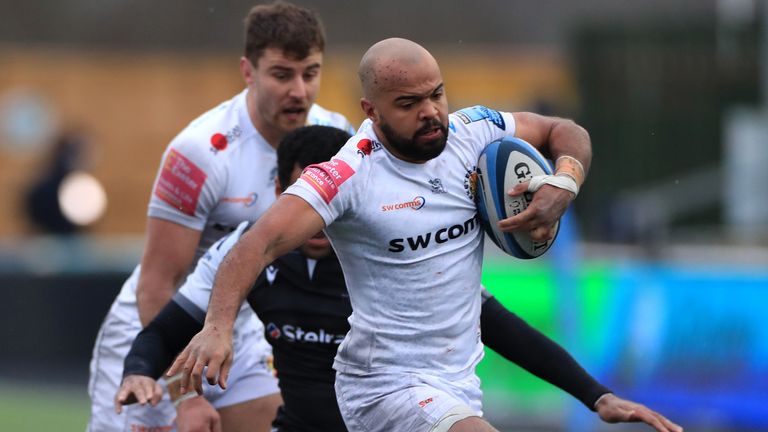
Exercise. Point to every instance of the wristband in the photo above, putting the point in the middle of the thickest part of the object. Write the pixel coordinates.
(571, 167)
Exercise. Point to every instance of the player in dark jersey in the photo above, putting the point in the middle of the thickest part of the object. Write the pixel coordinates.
(302, 300)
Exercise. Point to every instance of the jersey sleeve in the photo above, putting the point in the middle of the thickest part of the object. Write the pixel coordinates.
(188, 183)
(195, 293)
(511, 337)
(331, 187)
(484, 125)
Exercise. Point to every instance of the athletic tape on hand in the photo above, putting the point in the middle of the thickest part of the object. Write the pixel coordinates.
(186, 396)
(558, 181)
(173, 379)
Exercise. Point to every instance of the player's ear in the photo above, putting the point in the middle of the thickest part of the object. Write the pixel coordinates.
(246, 70)
(369, 109)
(278, 187)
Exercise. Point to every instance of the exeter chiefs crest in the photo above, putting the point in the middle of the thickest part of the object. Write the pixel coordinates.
(470, 182)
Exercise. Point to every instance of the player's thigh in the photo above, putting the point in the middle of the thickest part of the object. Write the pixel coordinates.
(252, 395)
(387, 402)
(113, 341)
(469, 424)
(112, 344)
(254, 415)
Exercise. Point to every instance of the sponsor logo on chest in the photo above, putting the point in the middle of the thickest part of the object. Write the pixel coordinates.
(294, 333)
(220, 141)
(415, 204)
(366, 146)
(246, 201)
(434, 238)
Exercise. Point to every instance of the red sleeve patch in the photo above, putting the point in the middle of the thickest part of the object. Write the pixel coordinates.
(180, 183)
(326, 177)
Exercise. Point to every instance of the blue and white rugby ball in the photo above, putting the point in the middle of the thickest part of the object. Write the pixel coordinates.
(502, 165)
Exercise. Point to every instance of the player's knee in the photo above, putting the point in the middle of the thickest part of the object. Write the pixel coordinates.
(253, 415)
(472, 424)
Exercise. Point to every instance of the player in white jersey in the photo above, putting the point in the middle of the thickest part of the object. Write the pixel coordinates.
(413, 269)
(219, 171)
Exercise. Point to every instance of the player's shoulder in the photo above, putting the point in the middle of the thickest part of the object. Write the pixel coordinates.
(468, 119)
(348, 166)
(215, 131)
(325, 117)
(362, 150)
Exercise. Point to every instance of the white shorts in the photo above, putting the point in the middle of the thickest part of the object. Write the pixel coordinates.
(250, 376)
(406, 401)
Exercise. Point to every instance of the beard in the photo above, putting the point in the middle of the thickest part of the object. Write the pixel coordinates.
(412, 148)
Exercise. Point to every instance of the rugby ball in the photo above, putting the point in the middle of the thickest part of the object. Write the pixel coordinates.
(502, 165)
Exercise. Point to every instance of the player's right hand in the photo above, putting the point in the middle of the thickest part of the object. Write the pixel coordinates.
(197, 415)
(137, 388)
(613, 409)
(539, 219)
(210, 348)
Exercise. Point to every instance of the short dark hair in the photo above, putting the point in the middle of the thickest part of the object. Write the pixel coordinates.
(293, 29)
(306, 146)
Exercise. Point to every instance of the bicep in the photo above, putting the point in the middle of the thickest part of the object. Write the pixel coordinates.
(169, 250)
(533, 128)
(554, 136)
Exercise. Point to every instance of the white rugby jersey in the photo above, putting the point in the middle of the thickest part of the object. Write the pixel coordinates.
(196, 291)
(220, 171)
(410, 245)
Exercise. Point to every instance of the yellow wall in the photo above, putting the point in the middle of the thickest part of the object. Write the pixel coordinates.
(132, 104)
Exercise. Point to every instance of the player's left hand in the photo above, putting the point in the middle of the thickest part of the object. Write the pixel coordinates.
(137, 388)
(548, 205)
(613, 409)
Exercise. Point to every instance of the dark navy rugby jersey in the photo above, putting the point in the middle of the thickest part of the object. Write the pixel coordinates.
(305, 319)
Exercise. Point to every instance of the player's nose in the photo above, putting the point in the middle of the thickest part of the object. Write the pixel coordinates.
(298, 88)
(429, 110)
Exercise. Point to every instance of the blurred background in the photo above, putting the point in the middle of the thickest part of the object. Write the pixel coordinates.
(659, 280)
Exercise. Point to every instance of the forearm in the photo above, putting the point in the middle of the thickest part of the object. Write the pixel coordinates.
(511, 337)
(567, 138)
(155, 347)
(234, 279)
(270, 237)
(555, 137)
